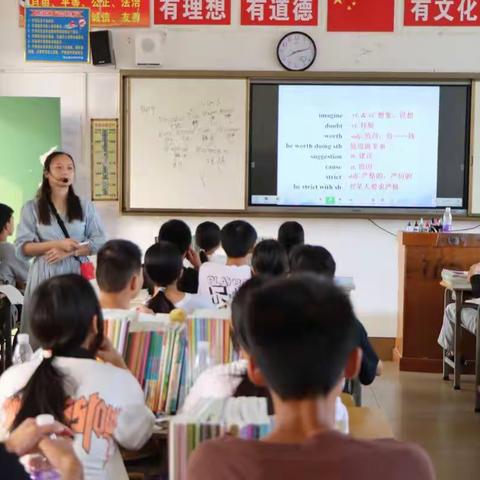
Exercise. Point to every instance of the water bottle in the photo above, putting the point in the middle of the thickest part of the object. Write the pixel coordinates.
(203, 360)
(37, 466)
(447, 220)
(23, 351)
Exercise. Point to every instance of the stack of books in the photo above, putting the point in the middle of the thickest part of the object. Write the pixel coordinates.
(155, 354)
(242, 417)
(214, 327)
(457, 278)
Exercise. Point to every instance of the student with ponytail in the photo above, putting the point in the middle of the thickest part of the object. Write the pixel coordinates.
(57, 229)
(164, 267)
(207, 238)
(100, 401)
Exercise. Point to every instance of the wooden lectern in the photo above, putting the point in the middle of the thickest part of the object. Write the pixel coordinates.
(422, 256)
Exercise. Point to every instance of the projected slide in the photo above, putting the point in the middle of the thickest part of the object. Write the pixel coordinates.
(357, 145)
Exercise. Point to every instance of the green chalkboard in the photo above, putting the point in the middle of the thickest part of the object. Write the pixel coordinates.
(29, 127)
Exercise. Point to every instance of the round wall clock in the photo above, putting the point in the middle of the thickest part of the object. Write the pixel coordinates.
(296, 51)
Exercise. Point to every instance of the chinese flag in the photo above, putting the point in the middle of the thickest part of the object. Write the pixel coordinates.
(361, 15)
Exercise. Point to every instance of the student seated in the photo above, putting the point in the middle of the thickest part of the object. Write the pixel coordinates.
(178, 233)
(269, 258)
(119, 279)
(7, 277)
(13, 268)
(302, 332)
(101, 401)
(469, 315)
(220, 282)
(231, 379)
(309, 258)
(164, 266)
(291, 234)
(207, 238)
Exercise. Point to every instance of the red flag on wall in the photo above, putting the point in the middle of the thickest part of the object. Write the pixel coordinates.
(361, 15)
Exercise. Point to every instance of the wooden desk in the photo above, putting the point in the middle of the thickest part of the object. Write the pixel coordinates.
(456, 366)
(454, 292)
(363, 422)
(368, 423)
(422, 256)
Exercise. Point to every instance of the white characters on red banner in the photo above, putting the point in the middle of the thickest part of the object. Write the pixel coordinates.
(280, 10)
(303, 10)
(447, 10)
(193, 10)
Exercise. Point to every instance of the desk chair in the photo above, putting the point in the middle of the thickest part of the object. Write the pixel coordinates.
(455, 365)
(354, 388)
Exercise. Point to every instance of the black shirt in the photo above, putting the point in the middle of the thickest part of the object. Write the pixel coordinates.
(368, 369)
(188, 282)
(10, 466)
(475, 281)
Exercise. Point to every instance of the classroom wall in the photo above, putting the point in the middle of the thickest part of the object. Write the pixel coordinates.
(361, 249)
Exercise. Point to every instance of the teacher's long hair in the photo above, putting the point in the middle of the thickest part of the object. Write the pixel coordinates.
(74, 207)
(63, 309)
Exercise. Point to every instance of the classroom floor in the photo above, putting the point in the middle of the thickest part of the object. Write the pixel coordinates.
(423, 408)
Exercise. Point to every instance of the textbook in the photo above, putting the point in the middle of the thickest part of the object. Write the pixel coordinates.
(214, 327)
(210, 418)
(154, 352)
(162, 354)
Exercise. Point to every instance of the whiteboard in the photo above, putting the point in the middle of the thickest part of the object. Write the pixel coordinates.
(186, 144)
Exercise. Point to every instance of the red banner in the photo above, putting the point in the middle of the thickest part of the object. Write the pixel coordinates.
(192, 12)
(104, 13)
(279, 12)
(361, 15)
(442, 13)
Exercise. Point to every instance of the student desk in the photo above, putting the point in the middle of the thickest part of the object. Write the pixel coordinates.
(454, 291)
(364, 422)
(457, 291)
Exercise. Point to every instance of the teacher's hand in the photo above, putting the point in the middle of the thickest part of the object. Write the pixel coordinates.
(55, 255)
(68, 245)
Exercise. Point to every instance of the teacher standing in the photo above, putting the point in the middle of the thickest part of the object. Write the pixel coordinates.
(40, 235)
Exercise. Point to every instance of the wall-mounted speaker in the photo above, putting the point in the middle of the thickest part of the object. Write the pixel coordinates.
(150, 49)
(101, 47)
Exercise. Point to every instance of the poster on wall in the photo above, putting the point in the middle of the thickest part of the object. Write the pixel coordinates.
(444, 13)
(361, 15)
(104, 13)
(188, 12)
(104, 148)
(272, 12)
(57, 34)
